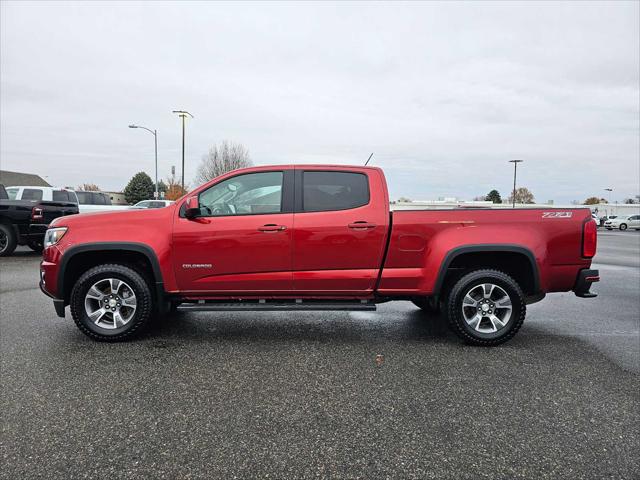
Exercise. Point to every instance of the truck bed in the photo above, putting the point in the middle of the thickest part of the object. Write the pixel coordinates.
(421, 241)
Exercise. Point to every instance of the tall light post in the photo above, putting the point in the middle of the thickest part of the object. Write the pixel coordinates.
(608, 198)
(156, 194)
(515, 173)
(183, 114)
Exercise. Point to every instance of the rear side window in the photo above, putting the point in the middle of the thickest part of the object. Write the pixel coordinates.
(323, 191)
(60, 196)
(31, 194)
(84, 198)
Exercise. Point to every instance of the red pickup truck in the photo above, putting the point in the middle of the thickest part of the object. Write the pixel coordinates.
(313, 237)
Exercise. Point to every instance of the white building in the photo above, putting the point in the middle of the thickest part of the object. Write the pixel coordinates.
(448, 203)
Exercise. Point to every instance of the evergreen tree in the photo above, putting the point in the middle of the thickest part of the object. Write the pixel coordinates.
(140, 187)
(493, 196)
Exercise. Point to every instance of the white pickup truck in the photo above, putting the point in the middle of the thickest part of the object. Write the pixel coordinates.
(87, 201)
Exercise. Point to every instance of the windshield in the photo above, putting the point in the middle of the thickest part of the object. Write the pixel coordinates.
(12, 192)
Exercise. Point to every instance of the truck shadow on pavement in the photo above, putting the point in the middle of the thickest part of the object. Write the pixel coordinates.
(414, 325)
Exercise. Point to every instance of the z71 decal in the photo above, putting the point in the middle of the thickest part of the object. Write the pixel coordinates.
(557, 214)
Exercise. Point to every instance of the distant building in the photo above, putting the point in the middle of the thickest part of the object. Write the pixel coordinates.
(8, 178)
(117, 198)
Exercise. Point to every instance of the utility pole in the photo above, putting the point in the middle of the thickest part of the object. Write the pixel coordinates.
(515, 173)
(608, 200)
(156, 194)
(183, 114)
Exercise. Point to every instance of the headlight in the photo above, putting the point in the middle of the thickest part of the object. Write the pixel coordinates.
(53, 236)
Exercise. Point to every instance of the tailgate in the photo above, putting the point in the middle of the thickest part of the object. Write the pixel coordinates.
(53, 210)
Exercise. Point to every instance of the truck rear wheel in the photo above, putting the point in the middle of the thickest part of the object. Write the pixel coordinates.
(111, 302)
(486, 307)
(8, 240)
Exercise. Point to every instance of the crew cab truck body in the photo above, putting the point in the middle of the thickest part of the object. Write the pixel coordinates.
(24, 222)
(313, 237)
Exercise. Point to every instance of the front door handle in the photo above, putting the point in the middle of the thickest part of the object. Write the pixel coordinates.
(361, 225)
(272, 227)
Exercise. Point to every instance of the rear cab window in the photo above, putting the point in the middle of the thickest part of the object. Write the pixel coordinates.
(325, 191)
(31, 194)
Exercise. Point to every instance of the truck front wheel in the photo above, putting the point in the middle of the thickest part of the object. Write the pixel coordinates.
(111, 302)
(485, 307)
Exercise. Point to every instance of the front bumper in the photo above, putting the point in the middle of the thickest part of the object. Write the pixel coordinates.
(58, 304)
(586, 277)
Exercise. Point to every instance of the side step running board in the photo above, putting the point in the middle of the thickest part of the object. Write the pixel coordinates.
(273, 306)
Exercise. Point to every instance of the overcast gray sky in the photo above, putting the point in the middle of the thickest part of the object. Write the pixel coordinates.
(443, 93)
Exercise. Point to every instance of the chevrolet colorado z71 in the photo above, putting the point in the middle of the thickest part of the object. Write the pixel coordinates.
(313, 237)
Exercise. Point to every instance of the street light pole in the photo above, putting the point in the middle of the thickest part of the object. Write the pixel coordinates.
(155, 143)
(183, 114)
(515, 172)
(609, 199)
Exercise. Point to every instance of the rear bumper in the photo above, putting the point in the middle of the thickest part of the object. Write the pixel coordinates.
(585, 278)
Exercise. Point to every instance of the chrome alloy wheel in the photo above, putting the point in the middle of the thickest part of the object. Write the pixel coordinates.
(110, 303)
(487, 308)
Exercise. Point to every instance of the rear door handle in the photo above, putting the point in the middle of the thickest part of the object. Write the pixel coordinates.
(361, 225)
(272, 227)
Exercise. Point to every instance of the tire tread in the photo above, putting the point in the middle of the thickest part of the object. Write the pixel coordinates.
(76, 304)
(451, 307)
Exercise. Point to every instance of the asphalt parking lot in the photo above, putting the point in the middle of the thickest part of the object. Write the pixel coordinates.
(300, 395)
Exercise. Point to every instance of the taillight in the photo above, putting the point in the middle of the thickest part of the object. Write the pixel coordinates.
(589, 238)
(37, 213)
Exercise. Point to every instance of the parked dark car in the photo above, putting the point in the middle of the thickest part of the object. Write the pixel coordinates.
(24, 222)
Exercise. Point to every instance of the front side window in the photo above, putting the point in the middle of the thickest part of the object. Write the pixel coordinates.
(323, 191)
(144, 204)
(31, 194)
(249, 194)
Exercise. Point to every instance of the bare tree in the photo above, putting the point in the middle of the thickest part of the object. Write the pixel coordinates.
(222, 159)
(523, 195)
(88, 187)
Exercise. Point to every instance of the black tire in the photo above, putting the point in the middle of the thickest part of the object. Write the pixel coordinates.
(427, 304)
(454, 308)
(623, 226)
(36, 245)
(8, 240)
(141, 316)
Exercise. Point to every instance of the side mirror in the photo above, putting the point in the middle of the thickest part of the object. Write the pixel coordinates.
(192, 208)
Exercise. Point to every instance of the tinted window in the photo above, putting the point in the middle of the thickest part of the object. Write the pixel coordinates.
(60, 196)
(31, 194)
(250, 194)
(98, 199)
(156, 204)
(12, 192)
(84, 198)
(324, 191)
